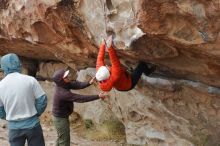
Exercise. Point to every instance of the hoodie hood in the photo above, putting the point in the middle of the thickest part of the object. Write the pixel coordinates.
(10, 63)
(58, 78)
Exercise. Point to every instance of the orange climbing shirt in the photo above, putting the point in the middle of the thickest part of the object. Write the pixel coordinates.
(119, 78)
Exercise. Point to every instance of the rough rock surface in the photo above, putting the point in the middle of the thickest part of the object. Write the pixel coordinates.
(181, 36)
(161, 112)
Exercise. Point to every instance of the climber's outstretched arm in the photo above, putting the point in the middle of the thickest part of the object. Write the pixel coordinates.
(101, 56)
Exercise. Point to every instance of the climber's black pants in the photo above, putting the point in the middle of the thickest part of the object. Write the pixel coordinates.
(136, 74)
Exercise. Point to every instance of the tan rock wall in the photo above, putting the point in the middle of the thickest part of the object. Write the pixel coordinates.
(180, 36)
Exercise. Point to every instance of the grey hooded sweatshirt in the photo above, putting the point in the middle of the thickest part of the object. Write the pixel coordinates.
(63, 99)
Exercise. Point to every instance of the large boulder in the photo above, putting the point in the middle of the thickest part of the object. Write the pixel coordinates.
(181, 37)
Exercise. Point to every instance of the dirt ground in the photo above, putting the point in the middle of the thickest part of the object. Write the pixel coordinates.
(50, 138)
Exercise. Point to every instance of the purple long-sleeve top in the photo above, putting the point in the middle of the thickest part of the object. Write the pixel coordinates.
(63, 98)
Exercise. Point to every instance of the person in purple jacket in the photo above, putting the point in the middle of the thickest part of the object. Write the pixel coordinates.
(63, 103)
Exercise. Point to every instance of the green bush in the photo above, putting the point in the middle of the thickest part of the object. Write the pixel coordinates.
(88, 123)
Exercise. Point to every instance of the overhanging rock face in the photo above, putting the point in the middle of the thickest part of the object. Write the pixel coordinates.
(181, 36)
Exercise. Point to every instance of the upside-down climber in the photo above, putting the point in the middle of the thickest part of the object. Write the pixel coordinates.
(116, 76)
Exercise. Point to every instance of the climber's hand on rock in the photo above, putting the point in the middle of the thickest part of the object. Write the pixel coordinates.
(103, 41)
(109, 42)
